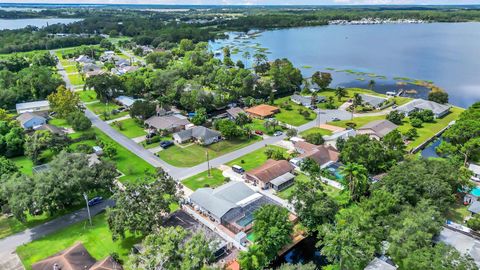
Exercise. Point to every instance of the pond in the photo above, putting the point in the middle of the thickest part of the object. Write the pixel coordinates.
(21, 23)
(395, 56)
(303, 252)
(430, 150)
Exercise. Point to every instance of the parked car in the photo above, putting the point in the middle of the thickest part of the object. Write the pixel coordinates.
(151, 135)
(95, 201)
(259, 132)
(166, 144)
(238, 169)
(277, 133)
(336, 119)
(394, 106)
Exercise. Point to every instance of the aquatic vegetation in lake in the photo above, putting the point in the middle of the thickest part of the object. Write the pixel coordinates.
(306, 66)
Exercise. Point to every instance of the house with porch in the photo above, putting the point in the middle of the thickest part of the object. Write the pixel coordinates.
(373, 101)
(198, 134)
(167, 123)
(321, 154)
(262, 111)
(377, 129)
(275, 174)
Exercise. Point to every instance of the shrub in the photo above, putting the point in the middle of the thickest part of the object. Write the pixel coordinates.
(315, 138)
(79, 121)
(395, 117)
(474, 223)
(84, 148)
(411, 134)
(416, 122)
(351, 124)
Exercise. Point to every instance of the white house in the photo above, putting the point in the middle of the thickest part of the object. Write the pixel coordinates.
(30, 120)
(35, 106)
(439, 110)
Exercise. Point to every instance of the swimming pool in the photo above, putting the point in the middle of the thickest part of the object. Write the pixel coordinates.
(334, 169)
(245, 221)
(475, 191)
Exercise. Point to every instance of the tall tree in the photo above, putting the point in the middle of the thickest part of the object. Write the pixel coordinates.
(340, 92)
(252, 259)
(322, 79)
(64, 101)
(357, 178)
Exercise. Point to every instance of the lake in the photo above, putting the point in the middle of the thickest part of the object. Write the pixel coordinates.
(393, 55)
(21, 23)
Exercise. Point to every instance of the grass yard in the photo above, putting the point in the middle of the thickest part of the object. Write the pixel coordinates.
(257, 124)
(70, 68)
(292, 117)
(202, 180)
(59, 122)
(99, 108)
(458, 212)
(195, 154)
(87, 95)
(24, 164)
(129, 128)
(316, 130)
(359, 121)
(76, 79)
(153, 145)
(96, 239)
(254, 159)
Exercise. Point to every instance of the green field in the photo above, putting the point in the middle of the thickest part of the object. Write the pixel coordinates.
(254, 159)
(195, 154)
(203, 180)
(76, 79)
(70, 68)
(24, 164)
(59, 122)
(292, 117)
(130, 128)
(97, 239)
(87, 95)
(316, 130)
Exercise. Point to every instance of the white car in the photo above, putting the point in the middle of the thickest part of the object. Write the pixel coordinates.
(277, 133)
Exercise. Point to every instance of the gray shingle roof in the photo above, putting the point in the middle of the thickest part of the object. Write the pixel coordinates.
(377, 264)
(305, 101)
(220, 200)
(372, 100)
(474, 207)
(379, 127)
(166, 122)
(421, 104)
(25, 117)
(235, 111)
(198, 132)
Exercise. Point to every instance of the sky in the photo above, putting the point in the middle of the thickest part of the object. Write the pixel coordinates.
(256, 2)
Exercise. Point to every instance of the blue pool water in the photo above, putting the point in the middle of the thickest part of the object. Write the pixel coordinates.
(475, 191)
(334, 168)
(245, 221)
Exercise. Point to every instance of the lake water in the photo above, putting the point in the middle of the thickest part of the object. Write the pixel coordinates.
(21, 23)
(447, 54)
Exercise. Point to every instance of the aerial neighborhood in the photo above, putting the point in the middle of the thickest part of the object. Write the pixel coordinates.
(132, 140)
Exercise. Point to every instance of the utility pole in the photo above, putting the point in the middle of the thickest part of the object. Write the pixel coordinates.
(88, 207)
(208, 164)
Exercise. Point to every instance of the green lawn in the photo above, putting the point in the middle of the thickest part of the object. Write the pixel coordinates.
(130, 128)
(76, 79)
(153, 145)
(351, 92)
(254, 159)
(292, 117)
(97, 239)
(424, 133)
(195, 154)
(99, 108)
(59, 122)
(128, 163)
(257, 124)
(24, 164)
(458, 212)
(203, 180)
(70, 69)
(316, 130)
(87, 95)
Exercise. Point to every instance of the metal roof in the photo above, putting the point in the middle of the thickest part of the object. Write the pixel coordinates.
(282, 179)
(474, 207)
(32, 105)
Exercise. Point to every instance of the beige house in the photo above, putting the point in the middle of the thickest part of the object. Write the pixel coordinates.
(377, 129)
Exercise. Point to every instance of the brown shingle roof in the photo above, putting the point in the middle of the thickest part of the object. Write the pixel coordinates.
(73, 258)
(235, 111)
(107, 264)
(262, 110)
(271, 170)
(322, 154)
(379, 128)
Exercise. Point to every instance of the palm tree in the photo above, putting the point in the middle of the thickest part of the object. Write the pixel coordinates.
(356, 176)
(357, 101)
(314, 98)
(340, 92)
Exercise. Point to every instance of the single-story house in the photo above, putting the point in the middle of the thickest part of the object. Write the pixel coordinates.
(84, 59)
(30, 120)
(262, 111)
(373, 101)
(475, 169)
(200, 134)
(125, 101)
(123, 70)
(90, 67)
(474, 208)
(302, 100)
(331, 140)
(53, 129)
(377, 129)
(234, 112)
(321, 154)
(380, 264)
(462, 242)
(168, 123)
(276, 174)
(35, 106)
(231, 204)
(439, 110)
(76, 257)
(97, 72)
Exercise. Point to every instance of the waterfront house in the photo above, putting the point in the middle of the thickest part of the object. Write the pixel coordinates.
(167, 123)
(199, 134)
(301, 100)
(475, 169)
(275, 174)
(373, 101)
(234, 112)
(321, 154)
(35, 106)
(76, 257)
(377, 129)
(262, 111)
(439, 110)
(31, 120)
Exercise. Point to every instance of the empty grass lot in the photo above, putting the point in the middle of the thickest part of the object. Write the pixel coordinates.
(254, 159)
(316, 130)
(292, 116)
(129, 128)
(195, 154)
(99, 108)
(76, 79)
(97, 239)
(203, 180)
(70, 69)
(257, 124)
(87, 95)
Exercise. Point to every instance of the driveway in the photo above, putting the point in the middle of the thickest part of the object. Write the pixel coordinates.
(9, 244)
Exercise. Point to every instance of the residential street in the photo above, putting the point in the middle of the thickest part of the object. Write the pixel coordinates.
(9, 244)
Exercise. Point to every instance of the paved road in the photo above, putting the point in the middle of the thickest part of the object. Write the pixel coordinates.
(9, 244)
